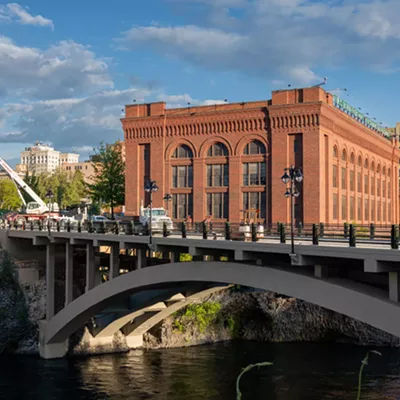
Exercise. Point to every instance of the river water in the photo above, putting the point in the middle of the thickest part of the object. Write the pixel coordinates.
(300, 372)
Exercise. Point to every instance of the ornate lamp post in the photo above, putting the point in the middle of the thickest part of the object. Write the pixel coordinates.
(292, 176)
(49, 196)
(151, 187)
(167, 198)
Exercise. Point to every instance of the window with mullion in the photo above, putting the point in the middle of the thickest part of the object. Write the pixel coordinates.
(182, 205)
(255, 201)
(218, 205)
(182, 176)
(218, 175)
(254, 174)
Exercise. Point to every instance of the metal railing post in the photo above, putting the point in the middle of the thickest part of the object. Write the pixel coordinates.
(315, 235)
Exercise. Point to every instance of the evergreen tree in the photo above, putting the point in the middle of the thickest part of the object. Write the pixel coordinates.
(109, 179)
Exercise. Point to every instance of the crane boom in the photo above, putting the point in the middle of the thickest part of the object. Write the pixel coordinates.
(21, 183)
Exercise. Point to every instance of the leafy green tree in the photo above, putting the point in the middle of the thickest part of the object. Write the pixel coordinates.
(109, 177)
(9, 197)
(68, 189)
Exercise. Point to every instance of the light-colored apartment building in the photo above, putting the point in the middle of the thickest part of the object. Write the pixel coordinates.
(41, 158)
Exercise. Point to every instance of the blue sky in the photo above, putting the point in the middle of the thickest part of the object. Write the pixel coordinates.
(67, 68)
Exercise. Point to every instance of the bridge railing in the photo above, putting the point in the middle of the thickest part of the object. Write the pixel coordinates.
(279, 232)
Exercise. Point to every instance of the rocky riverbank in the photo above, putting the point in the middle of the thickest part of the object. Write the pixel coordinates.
(263, 317)
(234, 314)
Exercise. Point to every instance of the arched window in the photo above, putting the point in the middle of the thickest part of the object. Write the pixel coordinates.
(384, 170)
(366, 163)
(373, 166)
(359, 161)
(388, 172)
(217, 149)
(378, 170)
(344, 155)
(254, 147)
(352, 158)
(182, 151)
(335, 152)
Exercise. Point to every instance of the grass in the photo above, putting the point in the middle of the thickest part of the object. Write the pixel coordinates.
(364, 362)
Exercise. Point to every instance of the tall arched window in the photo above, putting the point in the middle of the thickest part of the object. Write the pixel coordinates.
(217, 150)
(344, 155)
(217, 174)
(182, 178)
(352, 158)
(373, 166)
(255, 147)
(255, 174)
(335, 152)
(366, 163)
(182, 151)
(359, 161)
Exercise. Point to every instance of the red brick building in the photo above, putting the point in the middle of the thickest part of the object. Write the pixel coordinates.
(221, 159)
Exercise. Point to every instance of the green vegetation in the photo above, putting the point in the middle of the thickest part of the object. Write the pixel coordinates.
(201, 315)
(68, 189)
(14, 314)
(185, 257)
(9, 197)
(109, 178)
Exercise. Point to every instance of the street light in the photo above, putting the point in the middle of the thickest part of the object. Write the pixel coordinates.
(292, 175)
(151, 187)
(167, 198)
(49, 196)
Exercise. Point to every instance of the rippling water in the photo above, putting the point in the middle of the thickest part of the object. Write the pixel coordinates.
(300, 372)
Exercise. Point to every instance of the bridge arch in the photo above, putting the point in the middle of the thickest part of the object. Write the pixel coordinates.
(368, 307)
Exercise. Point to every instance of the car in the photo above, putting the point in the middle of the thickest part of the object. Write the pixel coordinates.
(98, 218)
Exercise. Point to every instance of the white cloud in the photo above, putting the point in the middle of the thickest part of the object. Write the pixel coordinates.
(185, 100)
(67, 69)
(69, 123)
(288, 39)
(12, 11)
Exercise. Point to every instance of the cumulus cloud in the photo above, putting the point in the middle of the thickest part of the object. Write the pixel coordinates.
(14, 12)
(184, 100)
(74, 123)
(283, 39)
(67, 69)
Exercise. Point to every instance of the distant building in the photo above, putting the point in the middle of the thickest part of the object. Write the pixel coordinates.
(395, 130)
(86, 168)
(20, 172)
(41, 158)
(69, 158)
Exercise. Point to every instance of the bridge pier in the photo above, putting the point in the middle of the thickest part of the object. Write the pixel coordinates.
(90, 267)
(114, 260)
(134, 342)
(50, 350)
(69, 273)
(394, 286)
(140, 258)
(50, 279)
(321, 271)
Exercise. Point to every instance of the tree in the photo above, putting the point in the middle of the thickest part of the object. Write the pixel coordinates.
(9, 197)
(68, 189)
(109, 179)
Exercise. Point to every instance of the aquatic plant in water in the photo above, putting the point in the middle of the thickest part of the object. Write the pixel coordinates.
(364, 362)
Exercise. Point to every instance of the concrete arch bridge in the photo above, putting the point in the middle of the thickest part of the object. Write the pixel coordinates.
(360, 283)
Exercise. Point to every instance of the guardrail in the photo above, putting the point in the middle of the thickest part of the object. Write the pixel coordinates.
(346, 233)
